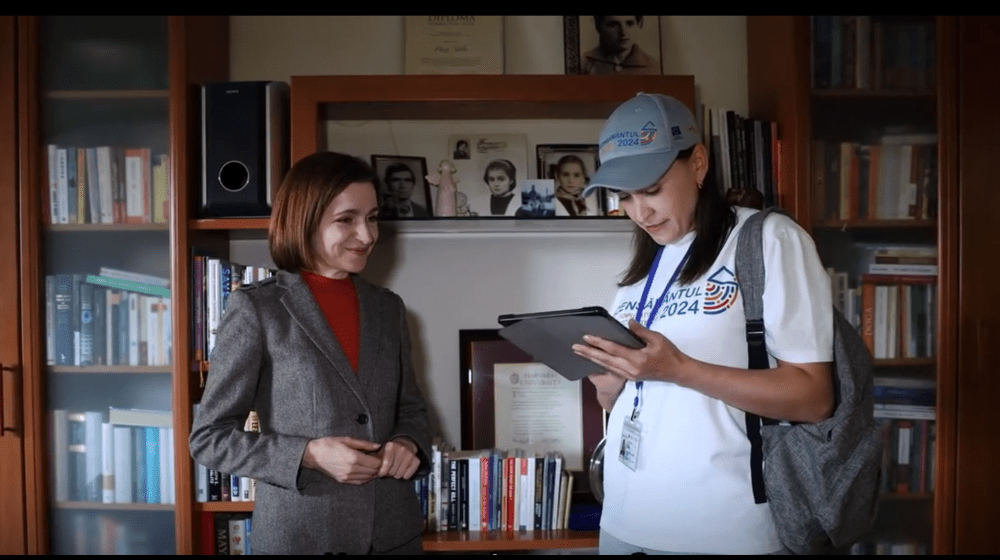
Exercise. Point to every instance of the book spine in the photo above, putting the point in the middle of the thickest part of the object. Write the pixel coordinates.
(75, 317)
(122, 464)
(50, 319)
(86, 324)
(152, 464)
(93, 186)
(140, 491)
(60, 455)
(100, 326)
(94, 453)
(107, 464)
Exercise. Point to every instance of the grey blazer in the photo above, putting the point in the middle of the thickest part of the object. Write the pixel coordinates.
(275, 353)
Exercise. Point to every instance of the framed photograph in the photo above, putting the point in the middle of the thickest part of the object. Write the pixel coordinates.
(454, 45)
(491, 177)
(511, 401)
(570, 167)
(612, 44)
(403, 190)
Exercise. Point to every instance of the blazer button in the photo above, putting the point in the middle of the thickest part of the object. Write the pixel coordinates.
(362, 418)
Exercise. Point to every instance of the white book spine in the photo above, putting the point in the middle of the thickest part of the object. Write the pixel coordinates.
(475, 521)
(63, 186)
(107, 464)
(133, 187)
(123, 464)
(105, 184)
(60, 454)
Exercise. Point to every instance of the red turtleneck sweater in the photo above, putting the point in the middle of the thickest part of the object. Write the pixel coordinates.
(339, 302)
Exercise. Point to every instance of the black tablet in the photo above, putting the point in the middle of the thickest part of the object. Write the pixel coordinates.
(549, 336)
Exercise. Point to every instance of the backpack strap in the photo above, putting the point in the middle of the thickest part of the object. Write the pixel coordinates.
(750, 276)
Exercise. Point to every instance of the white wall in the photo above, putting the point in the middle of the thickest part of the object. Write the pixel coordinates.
(464, 279)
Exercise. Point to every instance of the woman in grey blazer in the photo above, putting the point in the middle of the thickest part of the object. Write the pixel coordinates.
(324, 358)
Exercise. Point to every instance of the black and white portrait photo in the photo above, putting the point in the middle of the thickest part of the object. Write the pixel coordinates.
(570, 167)
(609, 45)
(403, 189)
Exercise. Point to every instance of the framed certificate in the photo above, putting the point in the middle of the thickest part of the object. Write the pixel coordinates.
(498, 377)
(453, 45)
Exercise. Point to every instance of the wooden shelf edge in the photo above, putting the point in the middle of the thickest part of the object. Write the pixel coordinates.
(472, 541)
(100, 506)
(224, 507)
(447, 225)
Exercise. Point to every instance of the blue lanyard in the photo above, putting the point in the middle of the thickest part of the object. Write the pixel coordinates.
(656, 307)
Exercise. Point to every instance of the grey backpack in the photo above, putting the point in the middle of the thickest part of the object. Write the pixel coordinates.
(821, 479)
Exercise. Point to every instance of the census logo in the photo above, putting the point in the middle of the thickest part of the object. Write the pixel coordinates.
(720, 291)
(648, 134)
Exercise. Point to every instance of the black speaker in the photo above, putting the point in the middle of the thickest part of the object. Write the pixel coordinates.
(245, 146)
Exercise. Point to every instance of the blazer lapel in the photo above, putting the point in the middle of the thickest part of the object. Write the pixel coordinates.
(373, 331)
(302, 306)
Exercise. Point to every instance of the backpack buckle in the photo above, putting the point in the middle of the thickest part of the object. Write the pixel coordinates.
(755, 332)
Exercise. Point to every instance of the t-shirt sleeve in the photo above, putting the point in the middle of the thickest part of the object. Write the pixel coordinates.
(798, 306)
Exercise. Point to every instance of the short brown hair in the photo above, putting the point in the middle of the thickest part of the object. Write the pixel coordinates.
(299, 204)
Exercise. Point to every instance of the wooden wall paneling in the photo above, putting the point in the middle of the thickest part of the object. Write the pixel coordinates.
(949, 237)
(12, 522)
(30, 173)
(977, 492)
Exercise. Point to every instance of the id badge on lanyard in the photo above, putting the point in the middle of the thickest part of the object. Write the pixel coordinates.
(628, 451)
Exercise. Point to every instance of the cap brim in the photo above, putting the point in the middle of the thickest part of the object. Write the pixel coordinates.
(631, 173)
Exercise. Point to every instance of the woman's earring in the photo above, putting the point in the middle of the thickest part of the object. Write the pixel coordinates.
(699, 184)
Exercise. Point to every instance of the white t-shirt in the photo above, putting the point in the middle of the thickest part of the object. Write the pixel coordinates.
(691, 490)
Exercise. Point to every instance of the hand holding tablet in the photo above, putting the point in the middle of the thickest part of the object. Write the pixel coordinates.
(549, 336)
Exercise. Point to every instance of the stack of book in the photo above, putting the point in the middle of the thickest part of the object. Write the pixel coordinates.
(114, 456)
(115, 317)
(211, 485)
(906, 409)
(213, 279)
(106, 185)
(495, 490)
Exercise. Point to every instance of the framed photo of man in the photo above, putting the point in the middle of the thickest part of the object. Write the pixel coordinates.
(612, 45)
(571, 166)
(403, 190)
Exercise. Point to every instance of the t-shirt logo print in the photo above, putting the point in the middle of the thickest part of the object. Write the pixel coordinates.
(720, 291)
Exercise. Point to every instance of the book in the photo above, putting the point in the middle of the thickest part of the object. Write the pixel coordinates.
(86, 324)
(60, 455)
(93, 186)
(139, 417)
(107, 463)
(134, 276)
(137, 186)
(105, 183)
(123, 459)
(128, 285)
(161, 187)
(94, 470)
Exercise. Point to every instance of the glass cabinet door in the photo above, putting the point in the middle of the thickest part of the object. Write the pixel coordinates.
(874, 179)
(104, 128)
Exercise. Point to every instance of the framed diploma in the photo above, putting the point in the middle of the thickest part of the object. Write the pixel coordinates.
(511, 401)
(453, 45)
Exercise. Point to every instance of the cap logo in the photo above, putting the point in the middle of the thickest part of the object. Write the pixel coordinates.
(648, 133)
(676, 131)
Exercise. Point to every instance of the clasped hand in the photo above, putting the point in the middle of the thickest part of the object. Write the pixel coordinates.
(659, 360)
(356, 461)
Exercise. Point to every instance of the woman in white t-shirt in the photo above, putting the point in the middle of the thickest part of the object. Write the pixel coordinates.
(677, 458)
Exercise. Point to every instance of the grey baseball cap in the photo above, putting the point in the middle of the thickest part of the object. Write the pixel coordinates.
(640, 140)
